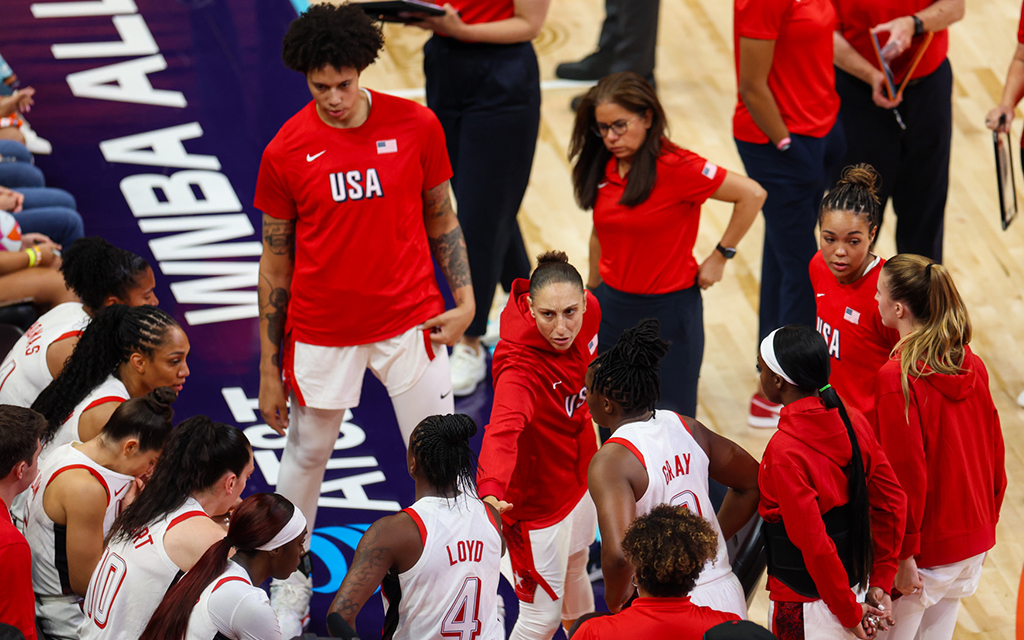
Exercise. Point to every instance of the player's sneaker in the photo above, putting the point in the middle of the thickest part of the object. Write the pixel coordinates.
(493, 333)
(290, 601)
(764, 414)
(469, 369)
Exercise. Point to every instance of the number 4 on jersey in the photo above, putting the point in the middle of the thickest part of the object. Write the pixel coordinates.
(461, 620)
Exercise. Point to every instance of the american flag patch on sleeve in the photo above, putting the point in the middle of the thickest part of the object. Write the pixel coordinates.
(708, 171)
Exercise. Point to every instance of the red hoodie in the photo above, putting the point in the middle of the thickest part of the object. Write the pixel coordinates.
(948, 457)
(802, 477)
(540, 440)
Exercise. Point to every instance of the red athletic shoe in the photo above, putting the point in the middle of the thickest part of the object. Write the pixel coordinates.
(764, 414)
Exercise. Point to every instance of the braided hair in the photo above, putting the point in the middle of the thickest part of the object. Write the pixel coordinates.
(96, 270)
(857, 193)
(441, 444)
(803, 354)
(108, 342)
(628, 372)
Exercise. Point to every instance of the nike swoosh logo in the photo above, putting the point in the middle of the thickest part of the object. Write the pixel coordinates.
(310, 158)
(819, 295)
(602, 184)
(118, 492)
(445, 395)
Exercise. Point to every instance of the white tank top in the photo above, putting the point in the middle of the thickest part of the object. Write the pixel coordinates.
(131, 580)
(452, 590)
(230, 607)
(47, 540)
(110, 390)
(24, 373)
(677, 474)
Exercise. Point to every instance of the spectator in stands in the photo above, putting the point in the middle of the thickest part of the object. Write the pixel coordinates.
(11, 108)
(20, 430)
(31, 272)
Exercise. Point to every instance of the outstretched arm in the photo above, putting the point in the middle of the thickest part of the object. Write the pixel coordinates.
(276, 266)
(448, 247)
(391, 542)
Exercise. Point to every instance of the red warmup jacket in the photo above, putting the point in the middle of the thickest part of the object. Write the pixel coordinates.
(949, 458)
(540, 440)
(802, 477)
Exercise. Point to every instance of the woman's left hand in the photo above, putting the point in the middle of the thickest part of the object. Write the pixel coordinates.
(711, 270)
(450, 24)
(901, 32)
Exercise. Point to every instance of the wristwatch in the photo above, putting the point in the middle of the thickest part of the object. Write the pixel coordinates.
(726, 251)
(918, 25)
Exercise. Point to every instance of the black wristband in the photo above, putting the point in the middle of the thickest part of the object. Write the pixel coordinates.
(918, 25)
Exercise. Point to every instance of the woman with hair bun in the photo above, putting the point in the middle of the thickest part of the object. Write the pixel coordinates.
(538, 445)
(126, 352)
(844, 274)
(669, 547)
(834, 512)
(940, 428)
(435, 562)
(100, 275)
(200, 475)
(646, 194)
(221, 598)
(74, 500)
(660, 457)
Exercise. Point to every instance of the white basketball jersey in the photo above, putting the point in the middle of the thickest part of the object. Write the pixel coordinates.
(230, 607)
(131, 580)
(48, 540)
(110, 390)
(24, 373)
(677, 474)
(452, 590)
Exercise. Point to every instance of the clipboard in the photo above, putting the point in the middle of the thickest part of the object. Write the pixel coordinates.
(890, 79)
(400, 10)
(1005, 177)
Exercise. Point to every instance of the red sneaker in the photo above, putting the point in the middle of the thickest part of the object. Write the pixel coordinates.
(764, 414)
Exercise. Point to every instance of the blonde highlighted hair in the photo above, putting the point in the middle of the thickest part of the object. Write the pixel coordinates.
(943, 328)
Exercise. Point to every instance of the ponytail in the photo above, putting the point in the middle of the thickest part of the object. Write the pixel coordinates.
(943, 327)
(253, 524)
(803, 354)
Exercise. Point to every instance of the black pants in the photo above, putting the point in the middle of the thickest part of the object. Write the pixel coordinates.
(628, 36)
(681, 314)
(487, 98)
(913, 164)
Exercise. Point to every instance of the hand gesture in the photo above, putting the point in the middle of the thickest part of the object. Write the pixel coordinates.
(883, 602)
(11, 200)
(273, 405)
(500, 505)
(19, 101)
(448, 327)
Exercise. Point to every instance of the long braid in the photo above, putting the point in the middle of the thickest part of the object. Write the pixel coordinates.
(628, 372)
(110, 339)
(441, 443)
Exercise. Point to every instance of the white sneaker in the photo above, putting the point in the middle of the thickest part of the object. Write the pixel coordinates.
(290, 601)
(468, 367)
(493, 333)
(37, 145)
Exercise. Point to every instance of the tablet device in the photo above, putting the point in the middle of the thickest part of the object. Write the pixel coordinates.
(400, 10)
(1005, 178)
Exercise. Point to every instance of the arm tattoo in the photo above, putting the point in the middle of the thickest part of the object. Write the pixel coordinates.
(276, 313)
(279, 236)
(366, 566)
(449, 249)
(437, 202)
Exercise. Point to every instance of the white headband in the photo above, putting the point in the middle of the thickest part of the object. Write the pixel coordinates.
(292, 530)
(768, 355)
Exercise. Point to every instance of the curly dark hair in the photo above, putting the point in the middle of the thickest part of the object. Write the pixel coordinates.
(342, 36)
(441, 444)
(95, 270)
(669, 547)
(628, 372)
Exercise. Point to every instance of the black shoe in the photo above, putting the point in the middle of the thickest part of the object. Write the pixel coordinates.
(593, 67)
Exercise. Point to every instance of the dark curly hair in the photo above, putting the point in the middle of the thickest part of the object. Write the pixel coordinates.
(628, 372)
(441, 444)
(95, 270)
(343, 37)
(668, 547)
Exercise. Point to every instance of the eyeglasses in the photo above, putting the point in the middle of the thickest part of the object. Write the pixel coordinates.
(618, 127)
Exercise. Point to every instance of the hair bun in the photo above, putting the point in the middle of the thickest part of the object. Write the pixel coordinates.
(861, 175)
(550, 257)
(461, 428)
(163, 395)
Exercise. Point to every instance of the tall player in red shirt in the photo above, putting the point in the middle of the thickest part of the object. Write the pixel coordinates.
(354, 192)
(939, 426)
(538, 445)
(844, 274)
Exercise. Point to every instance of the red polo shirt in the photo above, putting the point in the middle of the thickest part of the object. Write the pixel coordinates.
(648, 248)
(17, 602)
(802, 78)
(857, 17)
(481, 11)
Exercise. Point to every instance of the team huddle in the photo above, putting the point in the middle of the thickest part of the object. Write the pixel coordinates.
(879, 493)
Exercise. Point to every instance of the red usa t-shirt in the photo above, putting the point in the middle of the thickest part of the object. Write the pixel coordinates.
(858, 343)
(648, 248)
(481, 11)
(856, 17)
(363, 269)
(802, 78)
